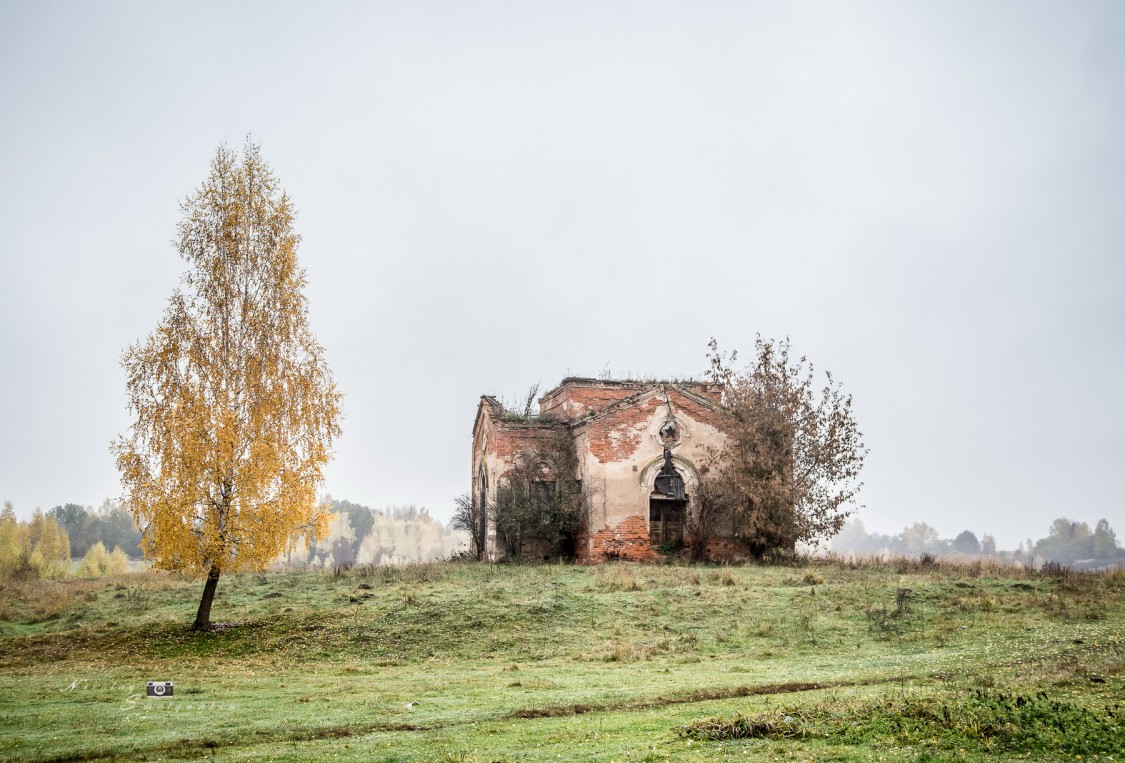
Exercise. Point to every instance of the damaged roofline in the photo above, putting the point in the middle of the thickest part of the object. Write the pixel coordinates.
(586, 381)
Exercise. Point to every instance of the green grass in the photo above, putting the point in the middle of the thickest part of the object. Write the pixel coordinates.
(536, 663)
(994, 721)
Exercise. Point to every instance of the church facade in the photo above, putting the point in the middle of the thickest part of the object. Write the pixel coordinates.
(640, 449)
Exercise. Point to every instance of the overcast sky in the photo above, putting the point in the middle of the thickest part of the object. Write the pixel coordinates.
(927, 198)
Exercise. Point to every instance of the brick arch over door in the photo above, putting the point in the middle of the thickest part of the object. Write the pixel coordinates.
(686, 469)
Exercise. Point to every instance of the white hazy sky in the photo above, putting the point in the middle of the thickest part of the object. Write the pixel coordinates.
(928, 198)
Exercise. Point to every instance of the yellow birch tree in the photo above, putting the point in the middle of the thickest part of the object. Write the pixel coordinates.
(235, 409)
(15, 544)
(51, 557)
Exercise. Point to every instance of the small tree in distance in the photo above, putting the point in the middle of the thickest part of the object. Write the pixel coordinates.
(1105, 541)
(790, 470)
(50, 558)
(235, 409)
(967, 543)
(467, 517)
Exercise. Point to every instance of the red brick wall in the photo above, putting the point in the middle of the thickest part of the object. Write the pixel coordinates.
(508, 441)
(502, 440)
(571, 402)
(617, 436)
(712, 391)
(577, 398)
(628, 541)
(696, 411)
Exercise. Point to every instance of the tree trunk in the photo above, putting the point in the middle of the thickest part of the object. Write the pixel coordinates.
(203, 616)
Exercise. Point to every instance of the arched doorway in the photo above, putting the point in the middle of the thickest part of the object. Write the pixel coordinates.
(667, 505)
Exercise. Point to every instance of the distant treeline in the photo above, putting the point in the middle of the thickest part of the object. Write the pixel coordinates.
(102, 538)
(105, 538)
(41, 548)
(110, 524)
(1067, 542)
(381, 537)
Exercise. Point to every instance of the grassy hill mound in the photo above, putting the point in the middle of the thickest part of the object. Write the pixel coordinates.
(473, 662)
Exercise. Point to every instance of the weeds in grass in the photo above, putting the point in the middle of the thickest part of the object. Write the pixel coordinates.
(902, 600)
(928, 564)
(37, 601)
(628, 651)
(1080, 595)
(805, 620)
(420, 572)
(620, 579)
(884, 624)
(775, 724)
(983, 719)
(1056, 570)
(137, 600)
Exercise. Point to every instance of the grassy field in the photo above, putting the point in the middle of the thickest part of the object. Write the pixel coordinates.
(472, 662)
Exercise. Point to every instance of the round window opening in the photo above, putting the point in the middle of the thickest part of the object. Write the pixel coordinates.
(670, 433)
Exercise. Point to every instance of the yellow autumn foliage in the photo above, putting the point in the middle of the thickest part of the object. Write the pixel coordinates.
(15, 544)
(98, 562)
(234, 406)
(51, 558)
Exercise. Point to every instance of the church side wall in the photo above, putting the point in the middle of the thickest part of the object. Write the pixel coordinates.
(496, 444)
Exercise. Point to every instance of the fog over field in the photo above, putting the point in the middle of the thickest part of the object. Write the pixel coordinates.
(926, 198)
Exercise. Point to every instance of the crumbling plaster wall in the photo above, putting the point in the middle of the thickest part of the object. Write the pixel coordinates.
(621, 452)
(619, 449)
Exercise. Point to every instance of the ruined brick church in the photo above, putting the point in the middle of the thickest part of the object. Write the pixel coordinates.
(639, 445)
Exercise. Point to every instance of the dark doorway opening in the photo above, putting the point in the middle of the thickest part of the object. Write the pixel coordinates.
(666, 521)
